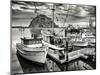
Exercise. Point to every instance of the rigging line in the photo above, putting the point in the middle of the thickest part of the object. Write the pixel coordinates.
(65, 19)
(67, 16)
(60, 31)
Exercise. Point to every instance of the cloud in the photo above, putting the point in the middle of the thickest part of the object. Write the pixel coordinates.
(23, 10)
(80, 12)
(75, 10)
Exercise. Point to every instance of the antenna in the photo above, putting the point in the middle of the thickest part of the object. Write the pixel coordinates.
(21, 29)
(35, 8)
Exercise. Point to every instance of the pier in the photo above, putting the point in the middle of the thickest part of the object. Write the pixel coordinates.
(54, 64)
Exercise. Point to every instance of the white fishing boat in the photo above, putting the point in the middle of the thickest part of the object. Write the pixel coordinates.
(48, 39)
(32, 49)
(80, 43)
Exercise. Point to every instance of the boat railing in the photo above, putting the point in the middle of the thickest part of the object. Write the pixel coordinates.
(27, 49)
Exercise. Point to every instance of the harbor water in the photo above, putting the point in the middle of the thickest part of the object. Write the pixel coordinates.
(21, 65)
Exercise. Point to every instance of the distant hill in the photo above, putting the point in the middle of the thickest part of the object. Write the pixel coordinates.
(42, 21)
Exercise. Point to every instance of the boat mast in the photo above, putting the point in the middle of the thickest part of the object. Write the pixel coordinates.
(53, 10)
(66, 43)
(35, 11)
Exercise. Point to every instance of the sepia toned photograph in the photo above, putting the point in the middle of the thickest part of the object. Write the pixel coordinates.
(52, 37)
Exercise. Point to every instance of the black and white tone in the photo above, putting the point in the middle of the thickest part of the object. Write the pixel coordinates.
(52, 37)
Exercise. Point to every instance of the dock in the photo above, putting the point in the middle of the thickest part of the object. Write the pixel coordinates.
(83, 53)
(53, 63)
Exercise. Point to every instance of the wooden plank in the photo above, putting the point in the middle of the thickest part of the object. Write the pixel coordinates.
(52, 66)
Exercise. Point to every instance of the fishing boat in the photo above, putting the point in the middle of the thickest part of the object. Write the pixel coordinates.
(80, 43)
(32, 49)
(49, 39)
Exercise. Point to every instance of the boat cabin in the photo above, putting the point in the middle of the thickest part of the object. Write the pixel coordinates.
(33, 40)
(29, 41)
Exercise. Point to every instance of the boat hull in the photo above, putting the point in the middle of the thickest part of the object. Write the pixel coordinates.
(35, 56)
(81, 44)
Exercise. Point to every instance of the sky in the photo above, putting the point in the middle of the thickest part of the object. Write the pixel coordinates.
(24, 11)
